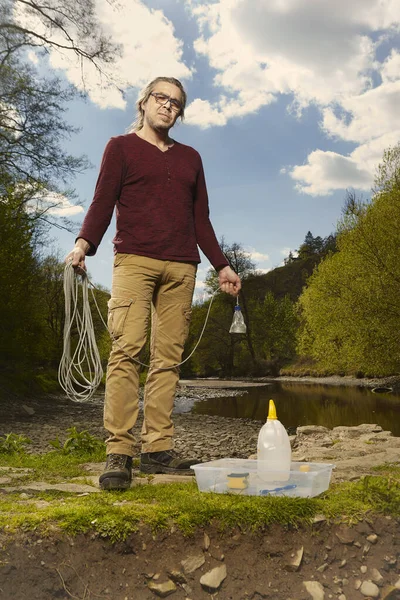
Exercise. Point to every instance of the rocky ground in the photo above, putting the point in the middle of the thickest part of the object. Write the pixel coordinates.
(353, 450)
(325, 561)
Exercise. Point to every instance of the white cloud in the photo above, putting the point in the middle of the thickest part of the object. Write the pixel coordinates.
(391, 67)
(54, 204)
(366, 116)
(286, 251)
(149, 47)
(326, 171)
(319, 52)
(257, 256)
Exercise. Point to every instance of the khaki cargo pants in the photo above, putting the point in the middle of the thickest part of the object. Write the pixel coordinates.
(142, 286)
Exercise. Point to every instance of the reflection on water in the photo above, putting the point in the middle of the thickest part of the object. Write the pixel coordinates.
(308, 404)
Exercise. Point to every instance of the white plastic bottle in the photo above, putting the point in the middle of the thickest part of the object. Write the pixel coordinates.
(274, 453)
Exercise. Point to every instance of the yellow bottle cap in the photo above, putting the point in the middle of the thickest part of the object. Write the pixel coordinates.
(272, 411)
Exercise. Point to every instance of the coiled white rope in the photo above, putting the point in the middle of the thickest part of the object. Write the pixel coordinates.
(81, 372)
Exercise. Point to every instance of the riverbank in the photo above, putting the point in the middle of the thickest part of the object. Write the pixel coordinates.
(355, 451)
(325, 559)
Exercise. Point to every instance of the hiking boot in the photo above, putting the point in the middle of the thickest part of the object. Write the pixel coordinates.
(165, 461)
(117, 474)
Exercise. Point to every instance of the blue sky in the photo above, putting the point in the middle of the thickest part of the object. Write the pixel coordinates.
(290, 102)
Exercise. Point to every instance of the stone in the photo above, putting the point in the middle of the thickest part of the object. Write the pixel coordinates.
(322, 568)
(369, 589)
(390, 560)
(345, 535)
(28, 409)
(312, 429)
(376, 576)
(206, 542)
(357, 430)
(192, 563)
(366, 549)
(342, 597)
(162, 589)
(372, 539)
(315, 589)
(212, 580)
(319, 519)
(363, 569)
(295, 560)
(177, 576)
(397, 584)
(217, 554)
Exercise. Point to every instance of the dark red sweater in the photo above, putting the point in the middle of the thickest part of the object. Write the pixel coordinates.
(161, 202)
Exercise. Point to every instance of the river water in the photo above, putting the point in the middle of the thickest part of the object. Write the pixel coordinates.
(310, 404)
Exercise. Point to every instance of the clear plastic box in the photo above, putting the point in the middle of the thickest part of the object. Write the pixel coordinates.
(240, 477)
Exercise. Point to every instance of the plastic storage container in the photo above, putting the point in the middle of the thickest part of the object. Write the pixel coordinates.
(274, 453)
(240, 476)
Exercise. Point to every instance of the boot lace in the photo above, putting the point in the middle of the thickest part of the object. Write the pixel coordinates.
(116, 461)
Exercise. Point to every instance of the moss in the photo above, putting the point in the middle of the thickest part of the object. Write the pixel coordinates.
(115, 515)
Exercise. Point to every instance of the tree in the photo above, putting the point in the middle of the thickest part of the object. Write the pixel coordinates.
(70, 28)
(33, 133)
(388, 173)
(32, 130)
(350, 308)
(19, 315)
(275, 327)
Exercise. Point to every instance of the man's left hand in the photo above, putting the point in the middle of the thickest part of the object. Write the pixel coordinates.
(229, 281)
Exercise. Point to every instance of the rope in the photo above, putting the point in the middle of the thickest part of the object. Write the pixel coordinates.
(81, 373)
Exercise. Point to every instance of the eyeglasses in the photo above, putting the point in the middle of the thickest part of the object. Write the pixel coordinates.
(162, 99)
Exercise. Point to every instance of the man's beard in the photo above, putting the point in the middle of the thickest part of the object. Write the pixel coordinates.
(159, 126)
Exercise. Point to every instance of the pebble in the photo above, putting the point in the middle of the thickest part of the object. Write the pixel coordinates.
(295, 562)
(376, 576)
(315, 589)
(206, 542)
(369, 589)
(162, 589)
(192, 563)
(345, 535)
(372, 539)
(177, 576)
(212, 580)
(363, 569)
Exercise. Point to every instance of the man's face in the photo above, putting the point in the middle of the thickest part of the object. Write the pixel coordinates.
(162, 116)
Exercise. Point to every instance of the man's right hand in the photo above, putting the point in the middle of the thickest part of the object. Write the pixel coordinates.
(77, 255)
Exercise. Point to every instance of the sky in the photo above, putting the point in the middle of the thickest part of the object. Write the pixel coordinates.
(290, 103)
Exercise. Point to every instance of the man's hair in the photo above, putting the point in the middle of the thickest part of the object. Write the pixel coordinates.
(145, 95)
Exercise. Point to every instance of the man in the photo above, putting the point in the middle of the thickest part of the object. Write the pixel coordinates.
(158, 188)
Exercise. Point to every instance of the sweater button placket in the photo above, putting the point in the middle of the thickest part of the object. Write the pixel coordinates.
(167, 168)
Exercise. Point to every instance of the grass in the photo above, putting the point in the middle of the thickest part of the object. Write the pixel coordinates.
(114, 515)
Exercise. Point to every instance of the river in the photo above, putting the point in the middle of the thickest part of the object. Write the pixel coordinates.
(309, 404)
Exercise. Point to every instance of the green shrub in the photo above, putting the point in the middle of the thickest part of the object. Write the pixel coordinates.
(13, 443)
(78, 442)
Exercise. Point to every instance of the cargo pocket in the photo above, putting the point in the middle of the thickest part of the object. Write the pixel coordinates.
(187, 313)
(117, 313)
